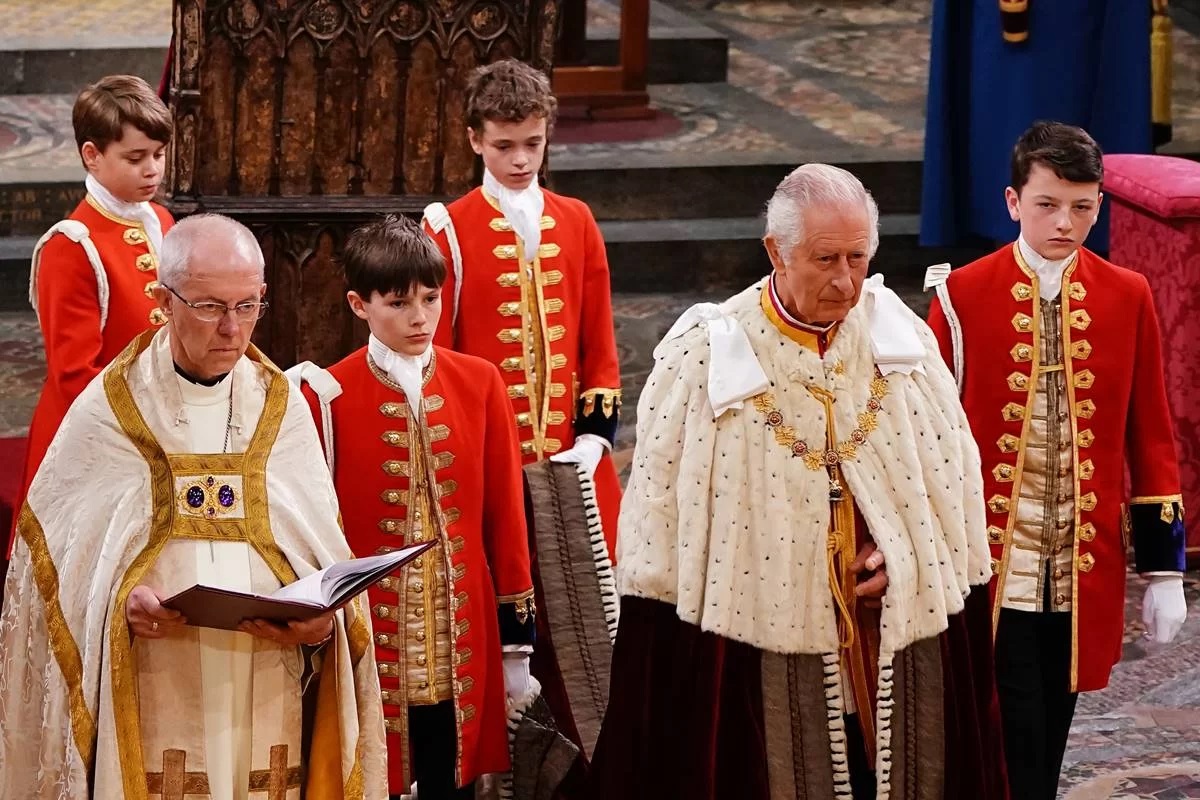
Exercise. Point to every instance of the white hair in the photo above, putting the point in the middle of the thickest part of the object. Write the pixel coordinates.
(180, 243)
(816, 186)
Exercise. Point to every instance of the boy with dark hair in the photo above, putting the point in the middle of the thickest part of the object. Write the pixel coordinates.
(1059, 365)
(93, 274)
(530, 289)
(422, 445)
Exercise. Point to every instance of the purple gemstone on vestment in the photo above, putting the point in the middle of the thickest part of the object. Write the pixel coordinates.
(195, 497)
(225, 495)
(211, 480)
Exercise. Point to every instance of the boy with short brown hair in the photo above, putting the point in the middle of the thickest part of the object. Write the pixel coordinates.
(92, 274)
(529, 286)
(421, 444)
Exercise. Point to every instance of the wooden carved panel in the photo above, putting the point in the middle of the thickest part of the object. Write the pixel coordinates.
(302, 116)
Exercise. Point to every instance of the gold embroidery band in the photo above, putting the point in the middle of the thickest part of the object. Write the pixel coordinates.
(278, 779)
(844, 451)
(174, 782)
(62, 643)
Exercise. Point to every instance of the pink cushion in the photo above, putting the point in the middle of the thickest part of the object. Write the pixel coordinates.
(1165, 186)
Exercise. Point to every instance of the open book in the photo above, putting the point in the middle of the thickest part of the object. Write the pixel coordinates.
(311, 596)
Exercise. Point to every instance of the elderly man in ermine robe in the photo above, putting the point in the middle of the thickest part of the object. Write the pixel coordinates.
(790, 441)
(188, 460)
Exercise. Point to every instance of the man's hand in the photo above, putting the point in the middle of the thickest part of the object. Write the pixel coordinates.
(870, 559)
(147, 617)
(588, 451)
(310, 632)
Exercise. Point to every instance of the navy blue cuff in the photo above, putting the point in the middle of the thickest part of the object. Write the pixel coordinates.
(1159, 540)
(597, 421)
(517, 619)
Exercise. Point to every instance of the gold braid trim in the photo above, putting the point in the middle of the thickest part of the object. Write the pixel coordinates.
(610, 401)
(62, 643)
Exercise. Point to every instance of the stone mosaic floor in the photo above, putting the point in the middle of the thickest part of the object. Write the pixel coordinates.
(848, 76)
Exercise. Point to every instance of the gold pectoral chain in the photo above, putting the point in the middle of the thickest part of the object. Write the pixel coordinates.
(785, 435)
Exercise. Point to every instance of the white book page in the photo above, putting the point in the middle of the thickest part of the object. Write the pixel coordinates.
(321, 587)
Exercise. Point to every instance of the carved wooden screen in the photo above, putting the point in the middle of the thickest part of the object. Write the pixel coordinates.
(302, 118)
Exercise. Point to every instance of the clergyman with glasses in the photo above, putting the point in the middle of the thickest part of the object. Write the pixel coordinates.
(190, 459)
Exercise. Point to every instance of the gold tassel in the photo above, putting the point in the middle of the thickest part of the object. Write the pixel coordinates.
(1160, 65)
(1014, 20)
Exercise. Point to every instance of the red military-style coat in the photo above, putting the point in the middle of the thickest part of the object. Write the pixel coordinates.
(1119, 420)
(470, 442)
(549, 325)
(78, 347)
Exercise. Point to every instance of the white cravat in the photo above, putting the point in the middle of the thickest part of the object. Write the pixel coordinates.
(405, 371)
(139, 212)
(1049, 273)
(522, 209)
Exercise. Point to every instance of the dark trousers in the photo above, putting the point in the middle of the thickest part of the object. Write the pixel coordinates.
(1033, 676)
(431, 731)
(862, 777)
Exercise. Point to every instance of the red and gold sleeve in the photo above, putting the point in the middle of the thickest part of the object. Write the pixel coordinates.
(69, 311)
(505, 536)
(600, 369)
(1156, 505)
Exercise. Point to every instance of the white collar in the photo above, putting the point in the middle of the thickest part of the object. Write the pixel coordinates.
(197, 394)
(523, 210)
(788, 316)
(407, 372)
(1049, 273)
(137, 212)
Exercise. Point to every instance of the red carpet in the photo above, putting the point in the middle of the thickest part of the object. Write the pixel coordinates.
(574, 130)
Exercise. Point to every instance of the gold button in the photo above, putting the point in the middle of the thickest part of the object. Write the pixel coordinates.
(421, 660)
(382, 611)
(157, 317)
(420, 636)
(1058, 549)
(145, 262)
(1060, 599)
(416, 516)
(423, 685)
(419, 611)
(134, 236)
(418, 562)
(381, 639)
(1058, 573)
(418, 586)
(149, 288)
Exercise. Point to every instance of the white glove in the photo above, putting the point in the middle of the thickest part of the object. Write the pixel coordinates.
(588, 450)
(517, 683)
(1164, 608)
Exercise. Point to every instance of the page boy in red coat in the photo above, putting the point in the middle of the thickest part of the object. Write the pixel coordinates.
(529, 289)
(93, 273)
(1059, 363)
(422, 445)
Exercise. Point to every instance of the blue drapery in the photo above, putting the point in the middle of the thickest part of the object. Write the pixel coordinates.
(1086, 62)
